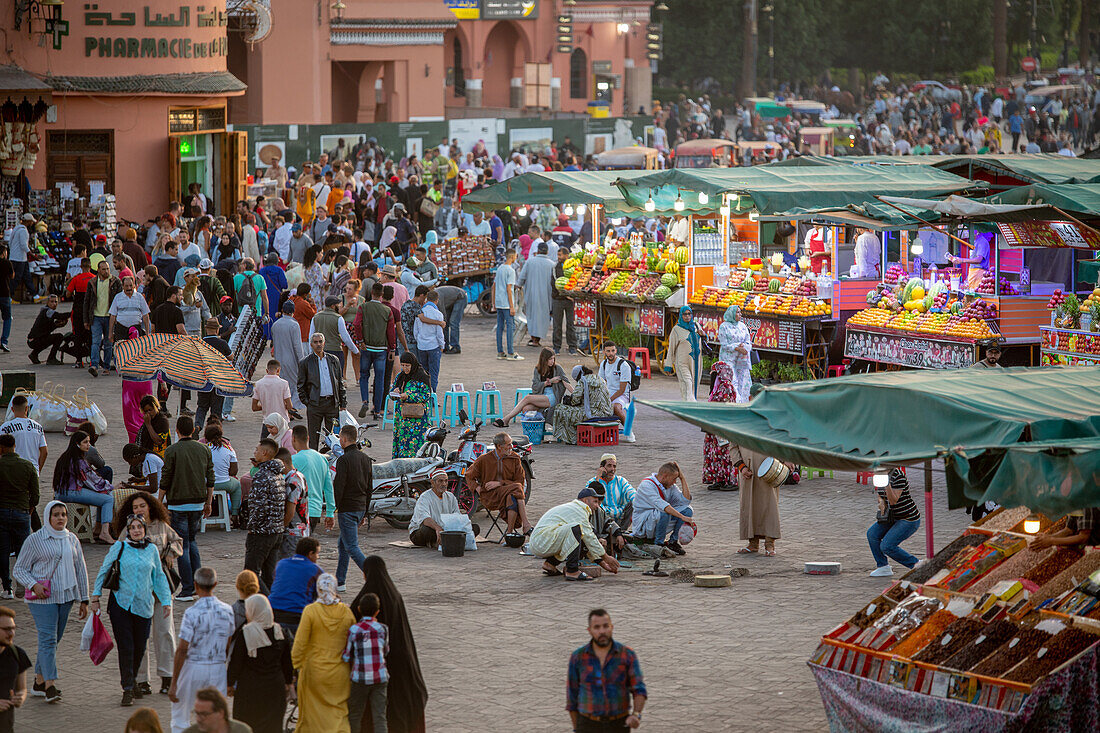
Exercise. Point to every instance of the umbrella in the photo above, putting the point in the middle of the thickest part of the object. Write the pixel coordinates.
(187, 362)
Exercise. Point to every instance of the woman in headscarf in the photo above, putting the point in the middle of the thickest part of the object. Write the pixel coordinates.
(430, 239)
(141, 584)
(324, 678)
(684, 349)
(736, 349)
(260, 670)
(717, 466)
(385, 245)
(407, 694)
(587, 400)
(51, 567)
(524, 248)
(498, 168)
(278, 429)
(412, 388)
(314, 274)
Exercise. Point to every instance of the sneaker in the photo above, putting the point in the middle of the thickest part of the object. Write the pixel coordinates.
(627, 438)
(676, 547)
(7, 595)
(363, 410)
(228, 418)
(54, 362)
(52, 694)
(38, 689)
(142, 689)
(34, 359)
(93, 371)
(514, 357)
(502, 355)
(185, 599)
(884, 572)
(456, 350)
(165, 684)
(184, 412)
(5, 349)
(341, 589)
(572, 351)
(127, 698)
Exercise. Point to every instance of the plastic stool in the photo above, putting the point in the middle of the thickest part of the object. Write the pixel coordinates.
(433, 408)
(808, 472)
(81, 521)
(219, 512)
(837, 370)
(864, 477)
(590, 435)
(490, 406)
(389, 413)
(453, 402)
(521, 392)
(643, 363)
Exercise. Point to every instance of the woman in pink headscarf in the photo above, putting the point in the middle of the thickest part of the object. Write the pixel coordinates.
(525, 242)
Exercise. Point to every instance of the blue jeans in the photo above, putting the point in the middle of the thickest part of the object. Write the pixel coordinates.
(373, 360)
(187, 526)
(885, 539)
(21, 273)
(100, 329)
(5, 310)
(429, 359)
(665, 520)
(348, 523)
(105, 502)
(50, 619)
(505, 322)
(454, 322)
(227, 406)
(15, 527)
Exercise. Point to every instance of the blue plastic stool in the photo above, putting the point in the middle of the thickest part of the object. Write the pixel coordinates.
(389, 414)
(521, 392)
(433, 408)
(452, 403)
(628, 426)
(490, 407)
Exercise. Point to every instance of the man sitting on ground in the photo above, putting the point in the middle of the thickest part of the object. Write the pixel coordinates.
(565, 533)
(618, 495)
(660, 502)
(607, 529)
(426, 525)
(498, 477)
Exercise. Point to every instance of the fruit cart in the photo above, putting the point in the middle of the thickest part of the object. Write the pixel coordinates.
(1071, 339)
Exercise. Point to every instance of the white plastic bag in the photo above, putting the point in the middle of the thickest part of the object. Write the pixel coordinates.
(687, 533)
(51, 410)
(32, 397)
(460, 523)
(346, 418)
(82, 409)
(87, 634)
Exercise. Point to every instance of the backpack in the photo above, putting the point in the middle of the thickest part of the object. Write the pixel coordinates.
(246, 295)
(635, 374)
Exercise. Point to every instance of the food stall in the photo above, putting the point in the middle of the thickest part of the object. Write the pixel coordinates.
(989, 634)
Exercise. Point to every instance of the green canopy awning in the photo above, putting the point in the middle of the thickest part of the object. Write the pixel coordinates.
(771, 110)
(1032, 167)
(793, 190)
(980, 421)
(1082, 199)
(566, 187)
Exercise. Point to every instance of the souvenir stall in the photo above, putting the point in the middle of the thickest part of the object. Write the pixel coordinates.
(989, 633)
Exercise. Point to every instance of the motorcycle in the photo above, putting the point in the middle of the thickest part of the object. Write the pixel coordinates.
(396, 484)
(469, 450)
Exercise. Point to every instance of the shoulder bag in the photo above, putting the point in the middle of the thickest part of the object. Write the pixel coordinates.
(114, 573)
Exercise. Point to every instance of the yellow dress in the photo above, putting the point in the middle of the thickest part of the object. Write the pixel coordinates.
(324, 679)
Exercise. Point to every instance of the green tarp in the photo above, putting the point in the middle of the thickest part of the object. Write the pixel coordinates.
(794, 190)
(1034, 167)
(978, 421)
(577, 187)
(1081, 199)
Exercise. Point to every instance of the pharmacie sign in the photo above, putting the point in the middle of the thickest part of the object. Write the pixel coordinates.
(190, 32)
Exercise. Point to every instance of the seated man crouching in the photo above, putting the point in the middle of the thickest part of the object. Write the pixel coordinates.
(426, 525)
(565, 534)
(607, 530)
(660, 505)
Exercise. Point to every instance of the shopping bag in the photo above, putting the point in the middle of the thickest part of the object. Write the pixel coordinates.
(81, 409)
(88, 634)
(51, 409)
(32, 397)
(460, 523)
(687, 533)
(101, 641)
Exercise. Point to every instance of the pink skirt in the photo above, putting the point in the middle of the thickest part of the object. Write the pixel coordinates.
(132, 392)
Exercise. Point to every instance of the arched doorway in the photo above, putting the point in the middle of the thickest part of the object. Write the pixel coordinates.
(503, 61)
(578, 74)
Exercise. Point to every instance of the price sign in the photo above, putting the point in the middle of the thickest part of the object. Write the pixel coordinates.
(776, 335)
(584, 313)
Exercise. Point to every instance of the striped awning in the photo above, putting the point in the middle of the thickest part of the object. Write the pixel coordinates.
(186, 362)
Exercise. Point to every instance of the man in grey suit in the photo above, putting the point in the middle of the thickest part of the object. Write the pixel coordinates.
(321, 389)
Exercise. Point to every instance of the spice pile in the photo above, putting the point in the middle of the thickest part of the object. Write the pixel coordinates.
(1011, 653)
(1012, 568)
(928, 631)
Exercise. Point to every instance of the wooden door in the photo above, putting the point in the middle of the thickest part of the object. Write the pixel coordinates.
(234, 166)
(174, 192)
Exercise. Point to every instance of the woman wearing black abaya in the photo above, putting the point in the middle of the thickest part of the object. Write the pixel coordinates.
(407, 694)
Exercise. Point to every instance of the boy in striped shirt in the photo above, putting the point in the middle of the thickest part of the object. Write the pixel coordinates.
(368, 643)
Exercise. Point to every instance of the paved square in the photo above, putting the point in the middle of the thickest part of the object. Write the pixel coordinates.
(494, 635)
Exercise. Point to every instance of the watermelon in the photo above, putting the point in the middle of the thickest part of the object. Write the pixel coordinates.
(773, 285)
(927, 303)
(682, 255)
(561, 282)
(661, 265)
(748, 284)
(669, 280)
(662, 292)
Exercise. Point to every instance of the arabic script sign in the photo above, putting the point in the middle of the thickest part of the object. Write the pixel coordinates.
(147, 26)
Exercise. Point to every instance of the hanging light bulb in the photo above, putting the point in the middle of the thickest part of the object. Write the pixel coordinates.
(567, 210)
(521, 211)
(581, 208)
(1032, 524)
(881, 480)
(916, 248)
(649, 205)
(678, 204)
(724, 209)
(703, 198)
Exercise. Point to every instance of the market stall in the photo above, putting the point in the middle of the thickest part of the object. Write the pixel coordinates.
(989, 633)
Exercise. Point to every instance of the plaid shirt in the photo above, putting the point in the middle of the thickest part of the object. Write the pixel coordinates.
(603, 692)
(368, 642)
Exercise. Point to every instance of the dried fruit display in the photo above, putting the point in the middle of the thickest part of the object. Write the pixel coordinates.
(984, 644)
(1059, 649)
(1011, 652)
(953, 639)
(939, 562)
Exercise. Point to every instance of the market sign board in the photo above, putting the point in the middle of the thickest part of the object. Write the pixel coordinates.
(1055, 234)
(652, 321)
(908, 350)
(584, 313)
(509, 9)
(775, 334)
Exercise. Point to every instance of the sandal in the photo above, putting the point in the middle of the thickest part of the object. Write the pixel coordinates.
(580, 576)
(499, 423)
(748, 551)
(552, 573)
(769, 553)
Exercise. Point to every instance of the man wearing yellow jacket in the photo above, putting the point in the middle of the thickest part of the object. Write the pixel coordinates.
(565, 533)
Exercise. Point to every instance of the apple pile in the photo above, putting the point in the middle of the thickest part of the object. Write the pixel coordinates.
(1007, 288)
(1056, 300)
(980, 309)
(988, 284)
(894, 272)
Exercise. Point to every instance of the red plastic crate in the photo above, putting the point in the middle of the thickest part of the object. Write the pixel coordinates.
(597, 435)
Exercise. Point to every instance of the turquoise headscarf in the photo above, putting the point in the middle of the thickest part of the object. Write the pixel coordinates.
(731, 314)
(689, 326)
(429, 239)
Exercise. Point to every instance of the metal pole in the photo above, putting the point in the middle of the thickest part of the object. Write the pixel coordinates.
(928, 541)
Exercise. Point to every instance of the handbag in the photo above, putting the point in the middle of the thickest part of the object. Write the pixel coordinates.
(882, 515)
(414, 410)
(428, 207)
(28, 593)
(101, 644)
(114, 573)
(170, 571)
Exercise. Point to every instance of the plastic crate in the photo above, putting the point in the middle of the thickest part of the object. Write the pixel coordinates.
(597, 435)
(535, 430)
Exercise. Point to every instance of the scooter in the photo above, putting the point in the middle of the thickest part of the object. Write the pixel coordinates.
(396, 484)
(469, 450)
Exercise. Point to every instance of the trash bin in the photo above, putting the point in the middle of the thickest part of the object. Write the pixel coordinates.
(454, 544)
(534, 429)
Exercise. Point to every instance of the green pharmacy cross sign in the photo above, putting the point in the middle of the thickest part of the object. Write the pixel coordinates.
(58, 29)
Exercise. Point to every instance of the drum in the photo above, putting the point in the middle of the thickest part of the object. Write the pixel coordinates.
(773, 472)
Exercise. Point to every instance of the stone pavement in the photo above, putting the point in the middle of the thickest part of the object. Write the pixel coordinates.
(494, 635)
